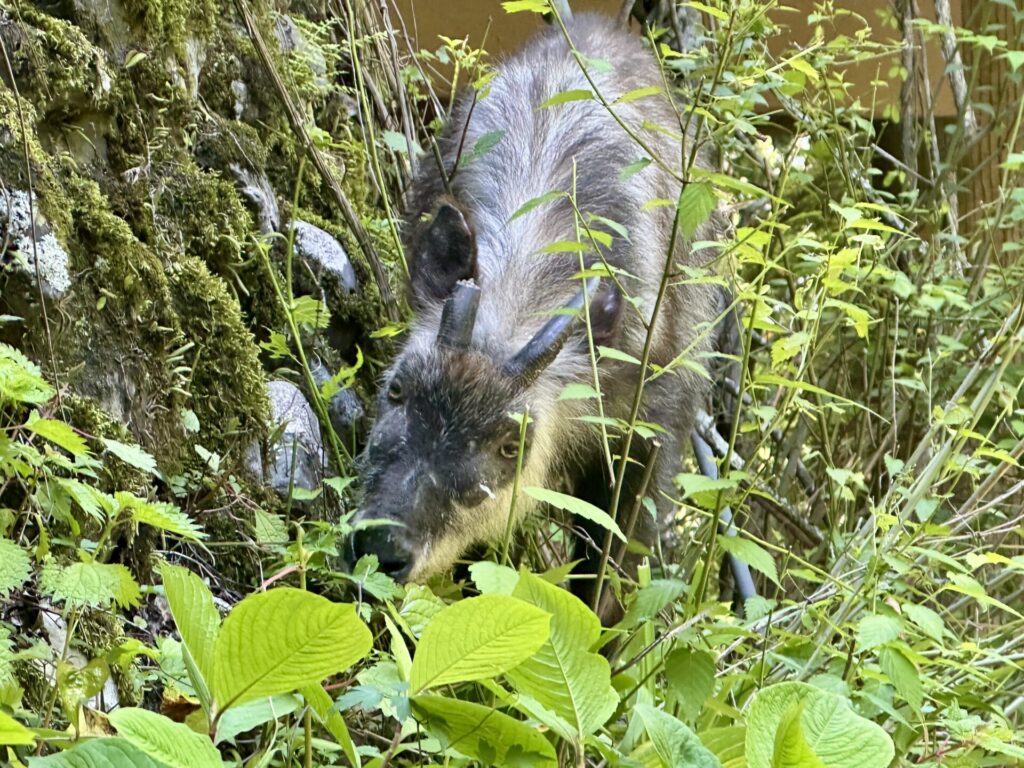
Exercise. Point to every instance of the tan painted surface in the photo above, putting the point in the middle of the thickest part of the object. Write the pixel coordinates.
(426, 19)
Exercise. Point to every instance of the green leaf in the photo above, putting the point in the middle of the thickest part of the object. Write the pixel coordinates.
(494, 579)
(20, 379)
(281, 640)
(876, 630)
(690, 674)
(575, 506)
(96, 585)
(904, 676)
(727, 744)
(160, 515)
(194, 614)
(927, 620)
(639, 93)
(578, 391)
(13, 733)
(695, 206)
(58, 433)
(476, 639)
(674, 742)
(577, 94)
(564, 675)
(791, 748)
(751, 553)
(632, 169)
(94, 503)
(536, 202)
(132, 455)
(611, 353)
(482, 733)
(253, 714)
(311, 312)
(482, 146)
(15, 567)
(98, 753)
(396, 141)
(650, 600)
(323, 707)
(172, 744)
(788, 347)
(836, 736)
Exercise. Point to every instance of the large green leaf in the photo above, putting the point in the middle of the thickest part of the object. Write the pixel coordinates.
(791, 748)
(564, 676)
(482, 733)
(14, 733)
(98, 753)
(281, 640)
(788, 719)
(691, 679)
(677, 746)
(159, 514)
(132, 455)
(15, 567)
(92, 584)
(20, 379)
(195, 615)
(727, 745)
(253, 714)
(58, 433)
(173, 744)
(477, 638)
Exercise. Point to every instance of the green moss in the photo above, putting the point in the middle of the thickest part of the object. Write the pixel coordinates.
(202, 214)
(56, 66)
(227, 385)
(172, 22)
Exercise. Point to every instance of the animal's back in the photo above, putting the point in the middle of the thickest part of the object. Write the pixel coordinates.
(575, 147)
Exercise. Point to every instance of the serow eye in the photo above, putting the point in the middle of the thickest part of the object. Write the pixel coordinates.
(395, 391)
(509, 450)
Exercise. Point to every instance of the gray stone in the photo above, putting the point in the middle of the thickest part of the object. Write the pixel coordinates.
(324, 256)
(297, 441)
(241, 93)
(345, 409)
(43, 255)
(255, 187)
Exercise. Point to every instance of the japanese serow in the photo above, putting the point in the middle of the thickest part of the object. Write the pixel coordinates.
(509, 308)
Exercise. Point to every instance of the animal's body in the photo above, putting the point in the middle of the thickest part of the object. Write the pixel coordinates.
(441, 456)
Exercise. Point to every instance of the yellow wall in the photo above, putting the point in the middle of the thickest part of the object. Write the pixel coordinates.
(424, 20)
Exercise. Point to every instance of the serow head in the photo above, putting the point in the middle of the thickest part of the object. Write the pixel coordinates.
(441, 457)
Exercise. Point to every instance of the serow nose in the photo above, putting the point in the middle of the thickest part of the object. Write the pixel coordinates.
(381, 541)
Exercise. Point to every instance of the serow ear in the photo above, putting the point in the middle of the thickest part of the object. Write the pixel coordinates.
(443, 252)
(605, 314)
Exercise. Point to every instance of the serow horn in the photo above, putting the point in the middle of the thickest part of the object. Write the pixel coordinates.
(459, 316)
(528, 363)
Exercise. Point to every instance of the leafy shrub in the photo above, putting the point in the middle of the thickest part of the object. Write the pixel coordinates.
(872, 456)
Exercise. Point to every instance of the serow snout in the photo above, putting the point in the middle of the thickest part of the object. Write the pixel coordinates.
(394, 559)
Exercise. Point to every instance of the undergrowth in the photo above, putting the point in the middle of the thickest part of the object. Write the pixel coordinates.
(869, 436)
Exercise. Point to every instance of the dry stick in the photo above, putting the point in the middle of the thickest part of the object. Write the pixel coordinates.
(952, 203)
(908, 124)
(348, 212)
(955, 67)
(400, 94)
